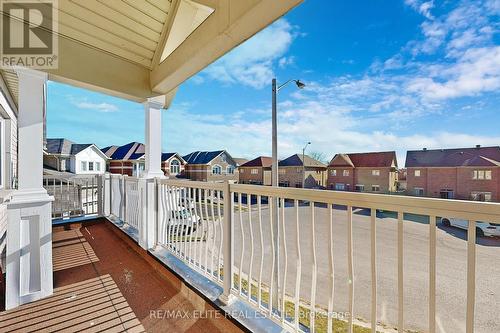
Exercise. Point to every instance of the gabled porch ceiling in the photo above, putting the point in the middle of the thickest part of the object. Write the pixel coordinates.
(137, 49)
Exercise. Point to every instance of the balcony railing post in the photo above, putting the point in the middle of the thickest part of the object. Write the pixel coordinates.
(100, 195)
(147, 213)
(106, 196)
(228, 245)
(123, 202)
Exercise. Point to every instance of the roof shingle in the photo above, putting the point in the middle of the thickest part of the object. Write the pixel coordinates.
(370, 160)
(478, 156)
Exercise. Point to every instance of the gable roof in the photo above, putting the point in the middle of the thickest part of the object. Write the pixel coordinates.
(370, 159)
(296, 160)
(261, 161)
(62, 146)
(203, 157)
(130, 151)
(478, 156)
(167, 156)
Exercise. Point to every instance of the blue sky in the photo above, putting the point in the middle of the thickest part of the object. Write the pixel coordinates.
(380, 75)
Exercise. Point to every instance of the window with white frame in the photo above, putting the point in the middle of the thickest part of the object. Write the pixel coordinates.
(375, 188)
(83, 165)
(419, 191)
(216, 170)
(230, 170)
(255, 171)
(481, 174)
(175, 167)
(98, 166)
(63, 165)
(282, 171)
(417, 173)
(333, 172)
(91, 166)
(345, 173)
(375, 172)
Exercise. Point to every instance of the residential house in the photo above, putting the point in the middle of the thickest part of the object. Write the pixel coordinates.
(256, 171)
(63, 155)
(462, 173)
(211, 166)
(298, 171)
(127, 159)
(172, 164)
(364, 172)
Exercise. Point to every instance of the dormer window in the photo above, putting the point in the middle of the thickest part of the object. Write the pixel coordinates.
(216, 170)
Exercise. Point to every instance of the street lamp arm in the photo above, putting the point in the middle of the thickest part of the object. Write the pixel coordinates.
(297, 82)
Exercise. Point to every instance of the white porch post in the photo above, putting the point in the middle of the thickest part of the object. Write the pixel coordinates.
(147, 191)
(153, 111)
(29, 233)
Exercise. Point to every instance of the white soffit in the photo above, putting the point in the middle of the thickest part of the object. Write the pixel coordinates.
(189, 16)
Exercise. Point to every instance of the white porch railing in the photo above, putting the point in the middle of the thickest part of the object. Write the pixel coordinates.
(291, 275)
(73, 196)
(125, 201)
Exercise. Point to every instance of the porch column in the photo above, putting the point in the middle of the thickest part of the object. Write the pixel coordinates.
(147, 192)
(29, 230)
(153, 136)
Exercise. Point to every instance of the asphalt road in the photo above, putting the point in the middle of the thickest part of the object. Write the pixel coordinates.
(451, 265)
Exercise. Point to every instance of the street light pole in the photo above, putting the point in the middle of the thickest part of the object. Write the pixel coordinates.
(274, 182)
(304, 165)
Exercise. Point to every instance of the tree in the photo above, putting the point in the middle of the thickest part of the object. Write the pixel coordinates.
(319, 156)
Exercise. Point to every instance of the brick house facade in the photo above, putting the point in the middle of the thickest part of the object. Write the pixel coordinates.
(256, 171)
(463, 173)
(172, 165)
(214, 166)
(129, 160)
(293, 172)
(363, 172)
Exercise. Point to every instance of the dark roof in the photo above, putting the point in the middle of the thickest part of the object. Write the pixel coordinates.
(65, 147)
(478, 156)
(108, 151)
(202, 157)
(130, 151)
(240, 160)
(296, 160)
(261, 161)
(166, 156)
(371, 159)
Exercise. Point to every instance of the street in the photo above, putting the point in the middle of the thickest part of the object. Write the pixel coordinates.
(451, 265)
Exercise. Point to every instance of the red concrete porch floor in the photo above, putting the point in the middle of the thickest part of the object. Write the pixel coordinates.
(105, 283)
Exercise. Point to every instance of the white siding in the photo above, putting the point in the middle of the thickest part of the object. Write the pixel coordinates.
(89, 154)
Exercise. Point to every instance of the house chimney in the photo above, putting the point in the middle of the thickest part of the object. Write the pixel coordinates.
(478, 146)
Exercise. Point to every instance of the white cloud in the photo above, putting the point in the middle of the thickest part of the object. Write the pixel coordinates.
(286, 61)
(101, 107)
(423, 7)
(477, 71)
(252, 62)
